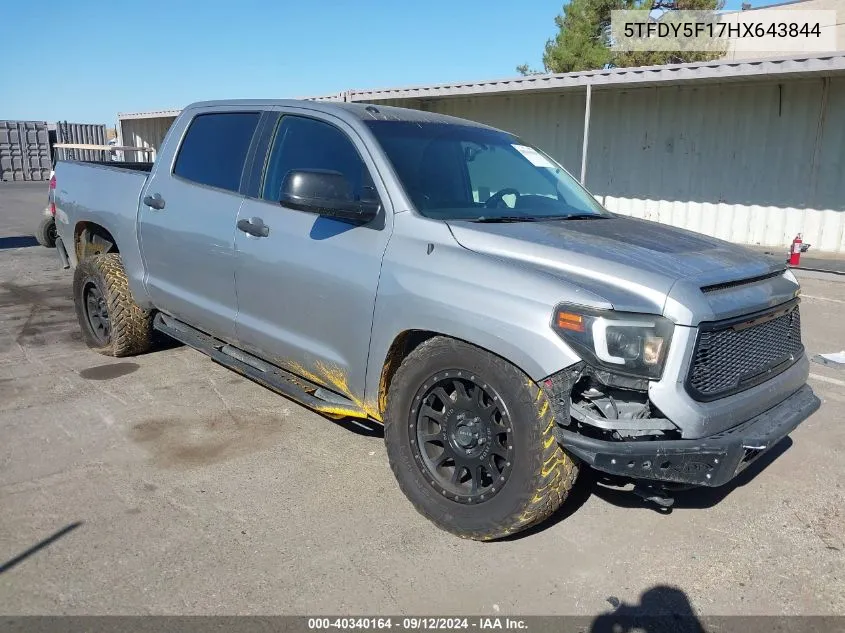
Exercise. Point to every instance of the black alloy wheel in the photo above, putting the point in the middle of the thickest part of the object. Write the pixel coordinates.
(463, 436)
(471, 440)
(97, 314)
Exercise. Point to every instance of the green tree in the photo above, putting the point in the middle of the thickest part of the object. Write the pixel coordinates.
(582, 40)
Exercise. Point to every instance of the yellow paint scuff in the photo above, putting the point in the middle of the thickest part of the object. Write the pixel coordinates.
(335, 377)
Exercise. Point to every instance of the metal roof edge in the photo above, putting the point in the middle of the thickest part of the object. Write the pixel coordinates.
(122, 116)
(339, 96)
(719, 69)
(773, 67)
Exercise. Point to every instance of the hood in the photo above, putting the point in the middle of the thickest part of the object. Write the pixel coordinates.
(635, 264)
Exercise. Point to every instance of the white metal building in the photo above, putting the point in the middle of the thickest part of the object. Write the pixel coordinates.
(752, 152)
(144, 129)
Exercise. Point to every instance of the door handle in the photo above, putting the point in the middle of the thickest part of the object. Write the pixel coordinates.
(254, 226)
(154, 201)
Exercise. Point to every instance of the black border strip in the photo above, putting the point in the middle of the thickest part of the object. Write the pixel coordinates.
(672, 613)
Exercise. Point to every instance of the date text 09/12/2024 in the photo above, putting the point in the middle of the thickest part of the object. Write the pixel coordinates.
(416, 623)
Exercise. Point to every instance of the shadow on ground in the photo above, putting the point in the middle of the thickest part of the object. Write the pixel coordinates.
(591, 482)
(367, 428)
(17, 241)
(661, 608)
(17, 560)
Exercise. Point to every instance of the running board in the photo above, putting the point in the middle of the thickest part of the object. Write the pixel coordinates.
(298, 389)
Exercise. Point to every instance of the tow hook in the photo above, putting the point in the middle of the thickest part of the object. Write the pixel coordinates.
(655, 494)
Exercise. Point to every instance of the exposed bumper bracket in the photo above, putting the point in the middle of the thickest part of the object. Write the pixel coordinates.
(708, 461)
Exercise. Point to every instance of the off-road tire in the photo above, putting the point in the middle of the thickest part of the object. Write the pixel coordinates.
(131, 325)
(45, 234)
(541, 476)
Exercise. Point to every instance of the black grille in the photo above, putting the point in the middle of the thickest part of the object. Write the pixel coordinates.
(734, 355)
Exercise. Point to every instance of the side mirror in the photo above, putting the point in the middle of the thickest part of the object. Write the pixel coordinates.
(326, 193)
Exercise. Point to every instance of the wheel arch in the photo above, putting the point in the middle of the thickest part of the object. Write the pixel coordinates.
(90, 238)
(403, 343)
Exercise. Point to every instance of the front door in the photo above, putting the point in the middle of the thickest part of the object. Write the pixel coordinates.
(306, 290)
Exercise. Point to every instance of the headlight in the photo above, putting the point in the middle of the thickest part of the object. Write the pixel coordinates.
(622, 342)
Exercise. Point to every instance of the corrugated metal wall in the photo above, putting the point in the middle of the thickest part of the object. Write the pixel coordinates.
(24, 150)
(752, 163)
(148, 132)
(747, 163)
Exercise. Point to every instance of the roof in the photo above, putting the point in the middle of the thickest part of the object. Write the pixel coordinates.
(793, 67)
(765, 7)
(153, 114)
(719, 70)
(367, 112)
(361, 111)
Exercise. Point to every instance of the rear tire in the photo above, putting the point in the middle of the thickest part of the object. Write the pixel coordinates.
(111, 322)
(533, 477)
(46, 232)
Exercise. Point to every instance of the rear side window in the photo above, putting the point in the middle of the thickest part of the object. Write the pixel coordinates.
(215, 147)
(302, 143)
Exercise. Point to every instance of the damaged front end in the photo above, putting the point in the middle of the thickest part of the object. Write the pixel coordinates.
(605, 406)
(608, 421)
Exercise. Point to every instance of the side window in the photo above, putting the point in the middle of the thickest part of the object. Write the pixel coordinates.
(214, 149)
(301, 143)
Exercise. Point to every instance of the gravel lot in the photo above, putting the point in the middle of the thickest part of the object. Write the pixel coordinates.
(170, 485)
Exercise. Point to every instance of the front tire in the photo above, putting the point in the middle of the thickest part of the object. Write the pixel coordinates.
(111, 322)
(470, 440)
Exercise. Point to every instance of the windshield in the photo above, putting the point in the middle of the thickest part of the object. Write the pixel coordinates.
(462, 172)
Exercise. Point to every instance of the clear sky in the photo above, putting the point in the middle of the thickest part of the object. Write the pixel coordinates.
(86, 60)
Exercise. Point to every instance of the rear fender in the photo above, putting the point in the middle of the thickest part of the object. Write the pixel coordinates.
(101, 196)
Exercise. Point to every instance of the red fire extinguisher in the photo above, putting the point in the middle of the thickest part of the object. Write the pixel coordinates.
(795, 251)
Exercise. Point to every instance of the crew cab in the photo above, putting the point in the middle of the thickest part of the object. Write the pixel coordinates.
(450, 281)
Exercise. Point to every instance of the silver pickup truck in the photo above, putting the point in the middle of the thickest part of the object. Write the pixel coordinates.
(451, 281)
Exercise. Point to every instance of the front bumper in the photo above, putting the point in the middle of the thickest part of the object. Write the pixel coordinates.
(703, 419)
(707, 461)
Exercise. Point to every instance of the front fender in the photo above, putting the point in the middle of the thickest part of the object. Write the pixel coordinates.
(431, 283)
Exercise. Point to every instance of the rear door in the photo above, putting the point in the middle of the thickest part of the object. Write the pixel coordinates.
(187, 221)
(307, 289)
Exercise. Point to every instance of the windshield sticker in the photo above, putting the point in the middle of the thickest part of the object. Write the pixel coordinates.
(534, 157)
